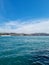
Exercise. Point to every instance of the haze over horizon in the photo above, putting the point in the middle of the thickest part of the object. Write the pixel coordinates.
(24, 16)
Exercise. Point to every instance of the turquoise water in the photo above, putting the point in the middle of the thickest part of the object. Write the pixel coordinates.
(24, 50)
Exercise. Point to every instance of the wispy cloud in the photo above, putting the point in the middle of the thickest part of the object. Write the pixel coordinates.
(41, 26)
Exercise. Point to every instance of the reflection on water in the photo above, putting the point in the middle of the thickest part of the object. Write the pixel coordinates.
(24, 50)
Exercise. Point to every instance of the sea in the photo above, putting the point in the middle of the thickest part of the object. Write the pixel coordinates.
(24, 50)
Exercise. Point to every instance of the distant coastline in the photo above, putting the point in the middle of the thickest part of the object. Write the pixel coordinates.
(23, 34)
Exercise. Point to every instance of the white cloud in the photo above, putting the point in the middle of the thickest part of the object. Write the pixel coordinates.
(26, 27)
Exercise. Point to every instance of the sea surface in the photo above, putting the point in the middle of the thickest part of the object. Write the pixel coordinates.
(24, 50)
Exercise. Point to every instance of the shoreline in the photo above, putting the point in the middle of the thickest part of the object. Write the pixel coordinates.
(23, 34)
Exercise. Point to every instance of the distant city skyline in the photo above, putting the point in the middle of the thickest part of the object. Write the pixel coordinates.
(24, 16)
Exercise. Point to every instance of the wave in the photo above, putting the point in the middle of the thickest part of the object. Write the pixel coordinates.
(39, 58)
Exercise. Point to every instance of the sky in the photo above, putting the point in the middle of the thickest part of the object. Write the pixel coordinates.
(24, 16)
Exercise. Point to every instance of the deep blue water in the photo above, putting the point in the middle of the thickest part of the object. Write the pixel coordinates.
(24, 50)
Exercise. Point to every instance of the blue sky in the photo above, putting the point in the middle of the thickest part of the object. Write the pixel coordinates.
(14, 14)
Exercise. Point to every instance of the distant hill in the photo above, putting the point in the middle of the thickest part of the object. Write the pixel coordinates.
(23, 34)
